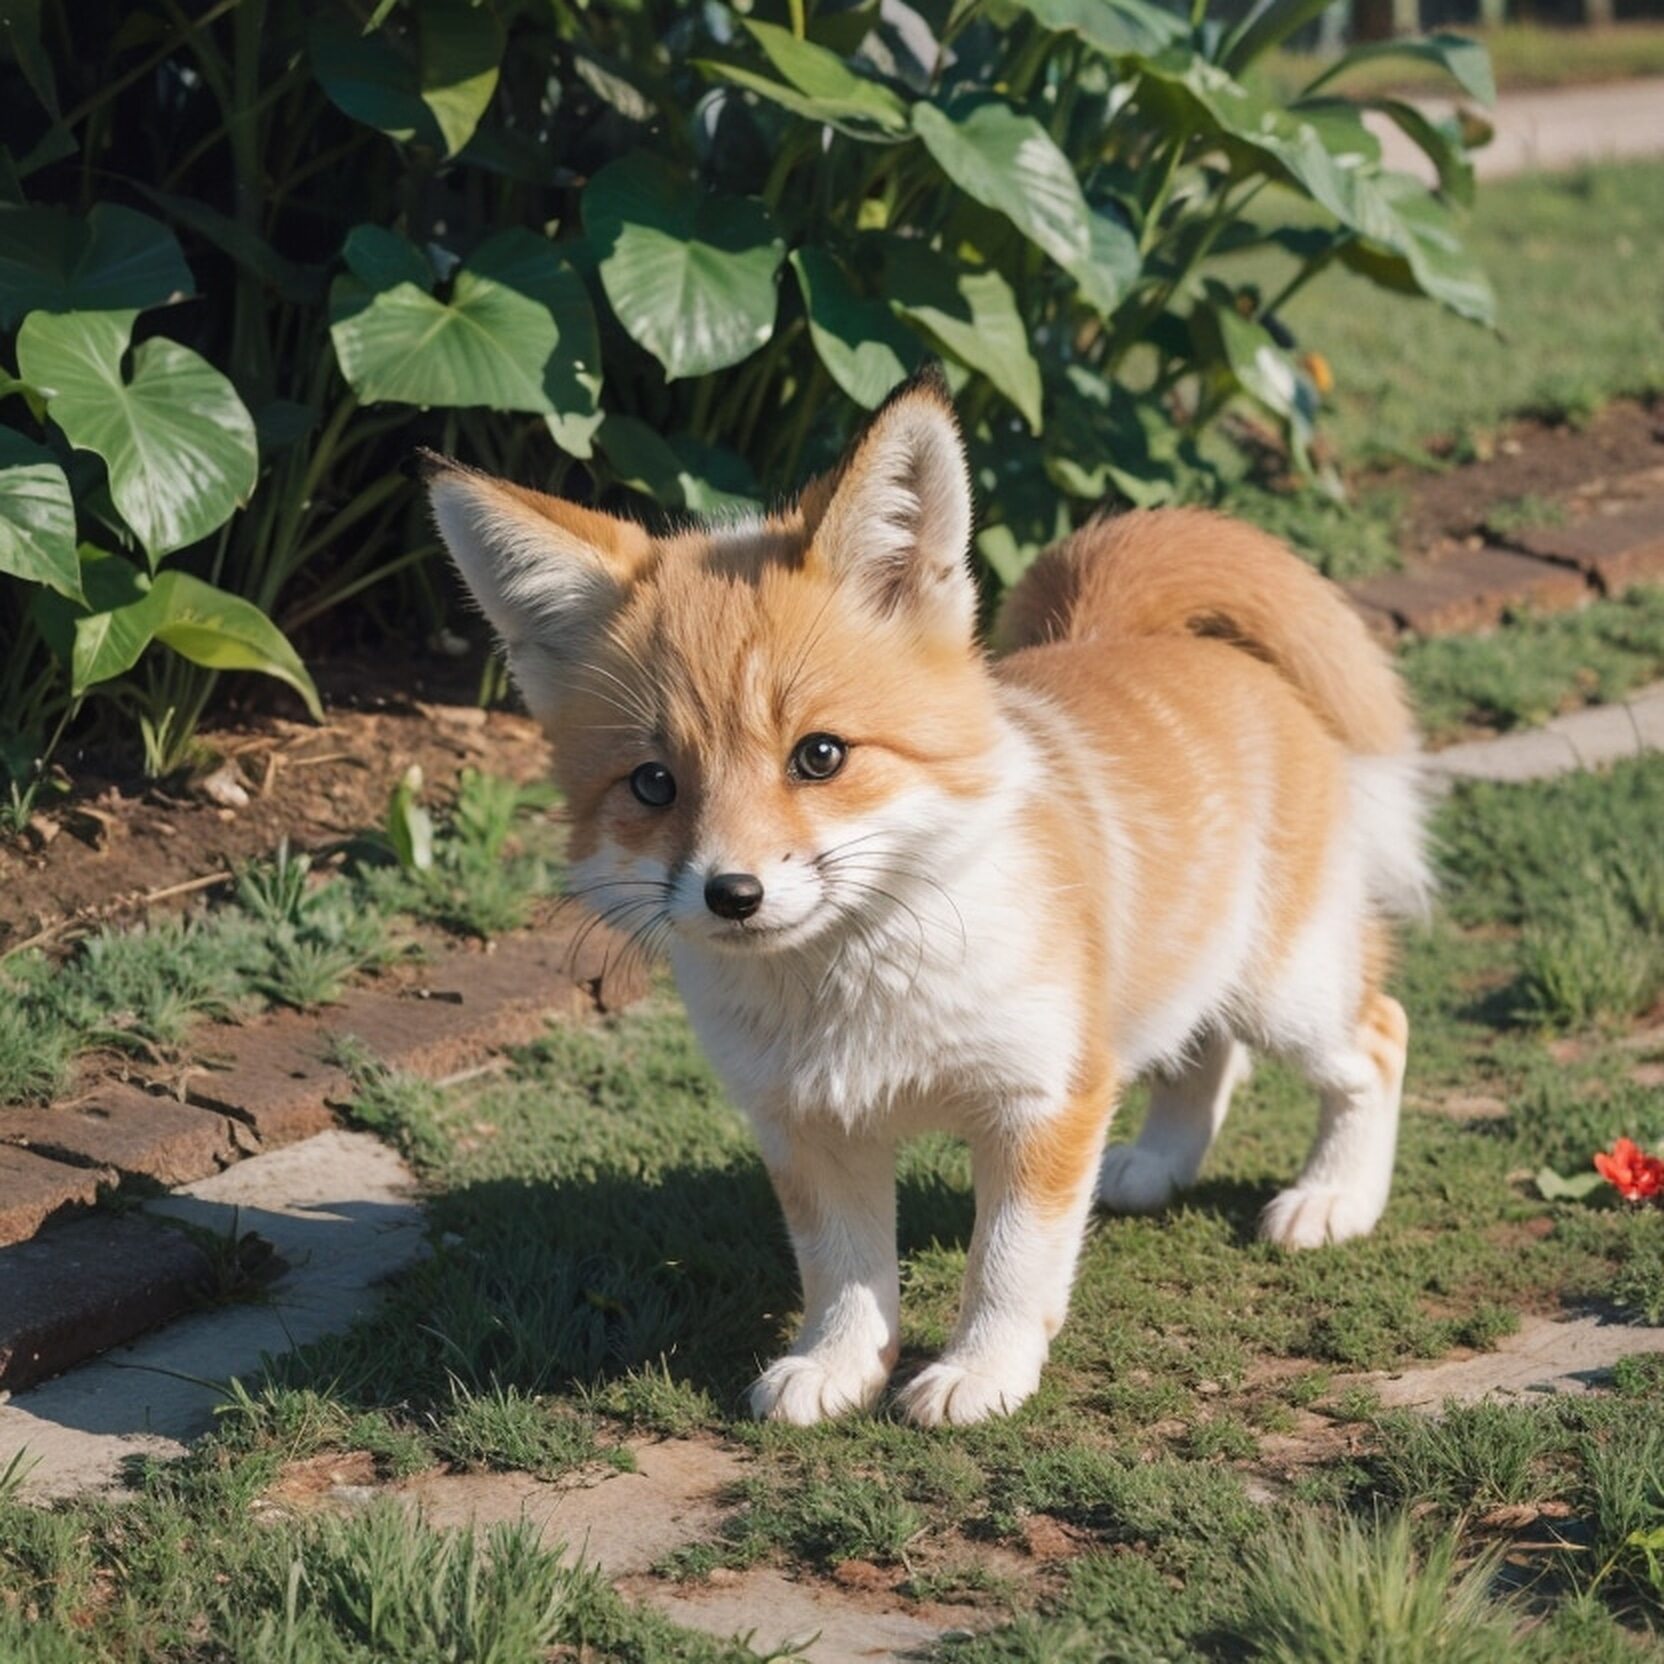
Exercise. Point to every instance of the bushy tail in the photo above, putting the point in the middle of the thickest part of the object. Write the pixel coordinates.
(1162, 572)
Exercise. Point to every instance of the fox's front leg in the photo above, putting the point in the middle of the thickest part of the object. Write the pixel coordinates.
(838, 1193)
(1035, 1176)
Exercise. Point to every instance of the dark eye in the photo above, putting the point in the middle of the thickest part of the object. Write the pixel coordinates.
(818, 757)
(654, 785)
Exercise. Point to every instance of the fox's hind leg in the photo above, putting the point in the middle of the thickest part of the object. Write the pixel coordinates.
(1343, 1187)
(1188, 1106)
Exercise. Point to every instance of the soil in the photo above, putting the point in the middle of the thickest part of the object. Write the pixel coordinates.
(115, 845)
(1618, 453)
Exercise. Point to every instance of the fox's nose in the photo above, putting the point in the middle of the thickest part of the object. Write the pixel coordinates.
(734, 895)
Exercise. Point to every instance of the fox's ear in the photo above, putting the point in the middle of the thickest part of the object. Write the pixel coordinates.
(895, 519)
(546, 573)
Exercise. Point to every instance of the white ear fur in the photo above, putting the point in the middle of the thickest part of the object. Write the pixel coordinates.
(899, 520)
(541, 584)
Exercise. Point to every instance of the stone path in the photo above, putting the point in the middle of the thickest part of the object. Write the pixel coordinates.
(1583, 739)
(1547, 131)
(341, 1212)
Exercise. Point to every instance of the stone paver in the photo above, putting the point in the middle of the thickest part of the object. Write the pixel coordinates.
(1470, 590)
(1615, 550)
(1544, 1356)
(1582, 739)
(341, 1213)
(136, 1134)
(625, 1523)
(87, 1286)
(1545, 131)
(34, 1189)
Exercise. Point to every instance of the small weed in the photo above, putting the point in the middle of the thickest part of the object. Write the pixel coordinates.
(1351, 1593)
(505, 1429)
(652, 1400)
(1470, 1456)
(1514, 515)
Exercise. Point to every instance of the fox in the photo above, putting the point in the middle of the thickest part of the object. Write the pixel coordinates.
(906, 880)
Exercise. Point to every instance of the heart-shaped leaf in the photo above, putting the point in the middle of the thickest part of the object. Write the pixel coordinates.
(198, 621)
(518, 332)
(1010, 163)
(1419, 249)
(177, 441)
(678, 472)
(820, 85)
(112, 260)
(431, 86)
(690, 273)
(971, 314)
(866, 349)
(1117, 28)
(37, 517)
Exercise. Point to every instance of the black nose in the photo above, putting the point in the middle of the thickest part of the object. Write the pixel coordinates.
(734, 895)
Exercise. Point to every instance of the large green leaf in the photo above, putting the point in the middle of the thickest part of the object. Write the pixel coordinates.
(678, 472)
(1101, 444)
(1423, 252)
(518, 332)
(198, 621)
(37, 517)
(1215, 102)
(1009, 162)
(1439, 141)
(866, 349)
(113, 260)
(690, 273)
(1112, 263)
(431, 86)
(854, 120)
(970, 314)
(828, 89)
(1464, 59)
(1117, 28)
(1256, 363)
(176, 439)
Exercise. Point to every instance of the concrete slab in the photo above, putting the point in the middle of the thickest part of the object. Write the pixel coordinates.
(1583, 739)
(340, 1210)
(625, 1523)
(1546, 131)
(1545, 1356)
(775, 1615)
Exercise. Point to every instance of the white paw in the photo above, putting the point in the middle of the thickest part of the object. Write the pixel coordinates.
(1132, 1180)
(804, 1388)
(954, 1395)
(1308, 1216)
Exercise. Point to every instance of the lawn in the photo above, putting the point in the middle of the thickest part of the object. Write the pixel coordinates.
(1522, 55)
(608, 1265)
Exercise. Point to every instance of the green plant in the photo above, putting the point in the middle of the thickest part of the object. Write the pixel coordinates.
(665, 252)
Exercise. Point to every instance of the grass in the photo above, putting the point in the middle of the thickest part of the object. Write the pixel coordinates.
(607, 1264)
(293, 933)
(1535, 668)
(1522, 55)
(1574, 333)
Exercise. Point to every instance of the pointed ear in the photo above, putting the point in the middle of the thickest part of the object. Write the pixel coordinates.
(895, 519)
(545, 573)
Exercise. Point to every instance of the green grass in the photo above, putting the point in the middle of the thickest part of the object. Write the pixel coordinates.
(290, 934)
(1535, 668)
(607, 1263)
(1522, 55)
(1575, 332)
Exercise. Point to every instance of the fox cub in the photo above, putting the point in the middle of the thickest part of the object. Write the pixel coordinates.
(904, 885)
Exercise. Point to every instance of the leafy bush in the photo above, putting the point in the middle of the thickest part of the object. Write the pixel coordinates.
(658, 251)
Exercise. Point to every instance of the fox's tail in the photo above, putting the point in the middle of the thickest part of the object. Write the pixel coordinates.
(1187, 571)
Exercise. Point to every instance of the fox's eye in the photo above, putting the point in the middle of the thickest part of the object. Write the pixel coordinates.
(654, 785)
(818, 757)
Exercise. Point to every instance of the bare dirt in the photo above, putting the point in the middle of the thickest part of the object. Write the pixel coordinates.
(115, 845)
(1618, 454)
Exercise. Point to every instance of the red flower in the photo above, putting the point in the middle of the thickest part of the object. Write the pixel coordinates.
(1635, 1175)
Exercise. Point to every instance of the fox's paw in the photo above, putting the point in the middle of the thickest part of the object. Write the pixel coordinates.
(1308, 1216)
(804, 1388)
(1132, 1180)
(954, 1395)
